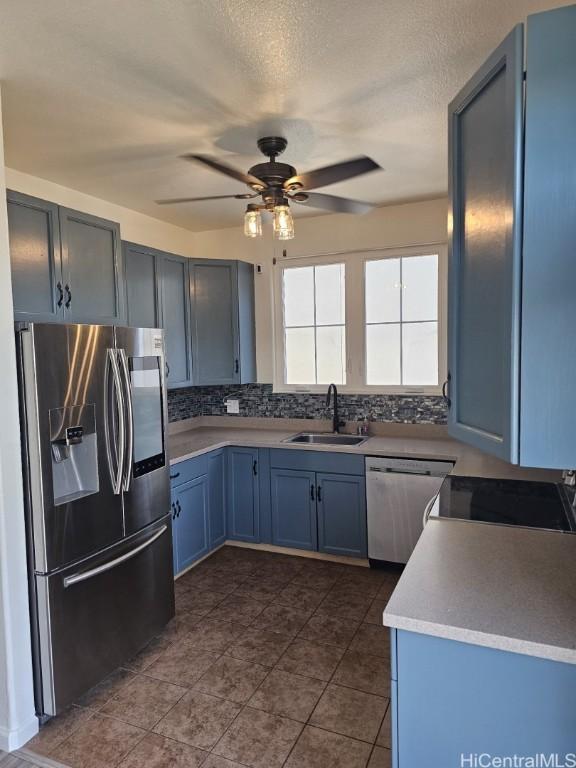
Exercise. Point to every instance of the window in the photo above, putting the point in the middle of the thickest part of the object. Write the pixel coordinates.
(314, 325)
(371, 322)
(401, 298)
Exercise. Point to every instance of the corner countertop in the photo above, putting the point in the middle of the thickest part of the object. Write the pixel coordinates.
(187, 443)
(513, 589)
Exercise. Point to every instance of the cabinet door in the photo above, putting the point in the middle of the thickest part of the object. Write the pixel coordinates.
(215, 322)
(192, 502)
(294, 508)
(243, 497)
(92, 269)
(217, 517)
(140, 266)
(342, 515)
(485, 178)
(35, 261)
(175, 303)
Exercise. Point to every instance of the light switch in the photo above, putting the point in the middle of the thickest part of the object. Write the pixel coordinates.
(232, 406)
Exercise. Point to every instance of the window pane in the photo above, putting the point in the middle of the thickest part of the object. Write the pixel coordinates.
(383, 291)
(383, 354)
(299, 296)
(420, 288)
(300, 358)
(329, 281)
(331, 355)
(420, 353)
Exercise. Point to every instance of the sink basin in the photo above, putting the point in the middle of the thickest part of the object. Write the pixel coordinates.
(324, 438)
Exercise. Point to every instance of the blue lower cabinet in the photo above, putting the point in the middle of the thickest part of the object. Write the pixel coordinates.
(217, 499)
(293, 505)
(191, 510)
(243, 494)
(457, 700)
(342, 515)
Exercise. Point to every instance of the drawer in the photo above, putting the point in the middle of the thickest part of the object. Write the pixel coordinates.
(317, 461)
(187, 470)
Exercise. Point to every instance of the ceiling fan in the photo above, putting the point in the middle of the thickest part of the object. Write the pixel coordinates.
(278, 184)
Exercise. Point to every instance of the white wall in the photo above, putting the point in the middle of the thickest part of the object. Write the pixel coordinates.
(387, 227)
(17, 720)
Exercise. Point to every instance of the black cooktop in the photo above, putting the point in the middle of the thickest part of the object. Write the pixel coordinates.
(506, 502)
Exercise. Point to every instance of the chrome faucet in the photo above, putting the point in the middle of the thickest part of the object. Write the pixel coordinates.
(336, 423)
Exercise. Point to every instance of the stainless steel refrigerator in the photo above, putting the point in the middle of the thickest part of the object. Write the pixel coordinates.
(97, 499)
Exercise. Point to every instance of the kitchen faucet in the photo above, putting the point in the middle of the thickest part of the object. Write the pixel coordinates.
(336, 423)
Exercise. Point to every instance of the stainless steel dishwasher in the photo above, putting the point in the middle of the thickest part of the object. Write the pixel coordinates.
(398, 491)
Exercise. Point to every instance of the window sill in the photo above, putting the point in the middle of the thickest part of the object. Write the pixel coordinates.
(316, 389)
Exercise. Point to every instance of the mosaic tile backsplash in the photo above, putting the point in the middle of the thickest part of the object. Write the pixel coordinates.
(258, 400)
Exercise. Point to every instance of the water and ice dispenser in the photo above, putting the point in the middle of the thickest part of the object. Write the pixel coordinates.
(74, 452)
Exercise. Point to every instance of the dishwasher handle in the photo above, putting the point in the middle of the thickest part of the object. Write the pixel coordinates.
(428, 510)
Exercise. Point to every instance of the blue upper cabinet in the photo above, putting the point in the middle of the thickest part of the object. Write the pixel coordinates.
(92, 269)
(485, 136)
(141, 266)
(243, 494)
(35, 257)
(175, 315)
(223, 331)
(512, 282)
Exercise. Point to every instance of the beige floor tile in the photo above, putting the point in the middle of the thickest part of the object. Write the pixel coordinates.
(321, 749)
(372, 639)
(232, 679)
(283, 693)
(258, 739)
(259, 646)
(330, 630)
(214, 761)
(384, 738)
(305, 657)
(182, 665)
(215, 636)
(350, 712)
(57, 729)
(143, 701)
(98, 696)
(157, 752)
(239, 609)
(198, 720)
(100, 742)
(364, 672)
(381, 758)
(282, 619)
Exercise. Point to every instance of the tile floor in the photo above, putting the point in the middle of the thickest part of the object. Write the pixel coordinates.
(271, 661)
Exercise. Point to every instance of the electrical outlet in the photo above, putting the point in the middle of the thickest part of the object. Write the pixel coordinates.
(232, 406)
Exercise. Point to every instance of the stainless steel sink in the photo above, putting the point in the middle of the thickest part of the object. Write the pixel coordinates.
(324, 438)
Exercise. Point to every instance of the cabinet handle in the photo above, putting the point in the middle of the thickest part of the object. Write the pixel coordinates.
(173, 511)
(446, 391)
(173, 477)
(60, 294)
(311, 493)
(167, 370)
(255, 467)
(69, 297)
(179, 508)
(319, 493)
(236, 366)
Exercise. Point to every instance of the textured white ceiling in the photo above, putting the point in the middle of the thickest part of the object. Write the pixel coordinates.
(103, 95)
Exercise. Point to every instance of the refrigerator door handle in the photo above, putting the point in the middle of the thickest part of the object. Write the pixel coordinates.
(115, 475)
(128, 418)
(85, 575)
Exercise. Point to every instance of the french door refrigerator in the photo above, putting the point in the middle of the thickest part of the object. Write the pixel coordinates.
(97, 500)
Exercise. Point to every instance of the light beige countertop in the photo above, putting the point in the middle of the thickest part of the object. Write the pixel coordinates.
(508, 588)
(201, 435)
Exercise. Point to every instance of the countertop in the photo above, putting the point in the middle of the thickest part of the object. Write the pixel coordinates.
(187, 443)
(508, 588)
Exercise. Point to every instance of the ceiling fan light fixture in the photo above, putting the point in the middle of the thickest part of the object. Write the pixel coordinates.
(283, 223)
(252, 221)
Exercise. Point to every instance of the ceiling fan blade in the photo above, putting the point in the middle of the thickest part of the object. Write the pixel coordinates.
(332, 174)
(227, 170)
(334, 204)
(174, 200)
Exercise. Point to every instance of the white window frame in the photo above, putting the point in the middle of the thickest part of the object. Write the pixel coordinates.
(354, 269)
